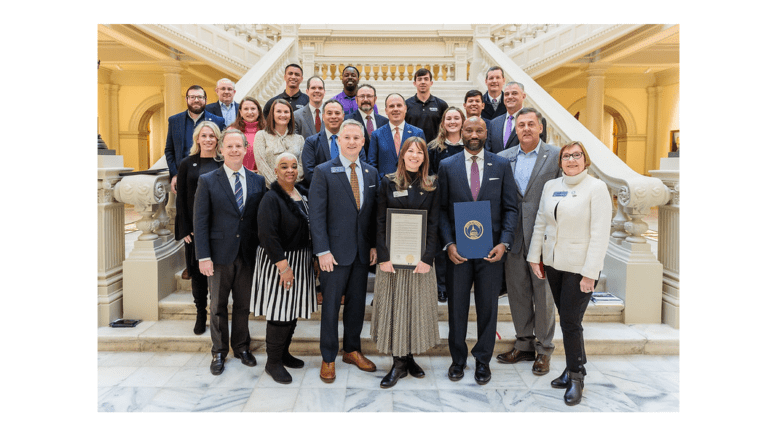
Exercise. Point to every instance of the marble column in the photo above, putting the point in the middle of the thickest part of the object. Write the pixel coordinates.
(594, 109)
(174, 100)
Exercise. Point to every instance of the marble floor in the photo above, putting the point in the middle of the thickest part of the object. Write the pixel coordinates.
(181, 381)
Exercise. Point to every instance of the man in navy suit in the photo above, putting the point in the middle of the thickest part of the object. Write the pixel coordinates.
(225, 107)
(324, 147)
(502, 134)
(343, 196)
(180, 129)
(386, 141)
(366, 96)
(475, 175)
(226, 238)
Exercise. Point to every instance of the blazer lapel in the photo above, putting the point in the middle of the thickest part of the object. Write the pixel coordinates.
(542, 157)
(460, 174)
(224, 182)
(344, 180)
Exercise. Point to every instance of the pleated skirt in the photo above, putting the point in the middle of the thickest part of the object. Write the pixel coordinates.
(270, 299)
(404, 318)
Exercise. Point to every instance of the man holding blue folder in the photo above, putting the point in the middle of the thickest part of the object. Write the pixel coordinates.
(475, 176)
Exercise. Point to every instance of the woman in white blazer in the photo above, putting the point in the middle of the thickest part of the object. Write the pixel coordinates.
(568, 245)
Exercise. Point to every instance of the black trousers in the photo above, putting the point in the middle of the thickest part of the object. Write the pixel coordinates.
(571, 304)
(235, 278)
(199, 281)
(487, 278)
(351, 281)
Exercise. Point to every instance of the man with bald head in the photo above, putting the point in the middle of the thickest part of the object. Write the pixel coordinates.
(475, 175)
(225, 107)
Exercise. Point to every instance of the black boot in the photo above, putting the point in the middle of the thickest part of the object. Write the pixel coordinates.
(413, 368)
(199, 324)
(275, 338)
(398, 370)
(288, 359)
(574, 391)
(562, 381)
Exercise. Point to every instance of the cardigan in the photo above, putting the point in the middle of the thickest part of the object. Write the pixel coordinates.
(283, 227)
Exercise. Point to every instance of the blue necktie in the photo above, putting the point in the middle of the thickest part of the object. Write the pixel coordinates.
(333, 149)
(238, 192)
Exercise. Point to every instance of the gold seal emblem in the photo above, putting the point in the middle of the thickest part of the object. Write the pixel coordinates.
(409, 259)
(473, 230)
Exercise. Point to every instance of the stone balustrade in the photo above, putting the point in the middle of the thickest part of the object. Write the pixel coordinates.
(263, 35)
(510, 36)
(376, 70)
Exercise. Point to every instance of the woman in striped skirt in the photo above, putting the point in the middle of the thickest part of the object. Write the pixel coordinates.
(284, 279)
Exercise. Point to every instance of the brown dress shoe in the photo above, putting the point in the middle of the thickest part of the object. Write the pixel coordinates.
(359, 360)
(541, 365)
(328, 372)
(515, 356)
(320, 298)
(185, 275)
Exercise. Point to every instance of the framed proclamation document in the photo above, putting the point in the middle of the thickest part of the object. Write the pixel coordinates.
(405, 236)
(474, 238)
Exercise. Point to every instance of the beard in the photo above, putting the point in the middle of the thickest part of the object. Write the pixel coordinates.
(366, 107)
(195, 110)
(475, 145)
(352, 87)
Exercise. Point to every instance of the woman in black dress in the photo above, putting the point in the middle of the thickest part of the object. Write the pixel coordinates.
(404, 320)
(284, 280)
(203, 158)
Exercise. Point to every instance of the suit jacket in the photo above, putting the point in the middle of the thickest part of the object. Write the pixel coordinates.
(382, 154)
(336, 223)
(221, 231)
(416, 198)
(177, 147)
(379, 121)
(305, 121)
(488, 110)
(498, 187)
(545, 168)
(315, 151)
(215, 109)
(495, 142)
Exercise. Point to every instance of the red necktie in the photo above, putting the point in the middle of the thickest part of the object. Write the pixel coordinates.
(370, 126)
(318, 122)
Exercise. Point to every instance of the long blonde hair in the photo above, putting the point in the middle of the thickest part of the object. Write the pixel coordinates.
(196, 146)
(439, 142)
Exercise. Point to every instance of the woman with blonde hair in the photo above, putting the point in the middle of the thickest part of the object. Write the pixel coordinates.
(568, 246)
(404, 320)
(277, 137)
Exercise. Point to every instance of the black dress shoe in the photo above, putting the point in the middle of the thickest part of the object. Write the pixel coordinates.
(398, 370)
(442, 296)
(217, 365)
(246, 358)
(482, 373)
(562, 381)
(413, 368)
(456, 371)
(574, 392)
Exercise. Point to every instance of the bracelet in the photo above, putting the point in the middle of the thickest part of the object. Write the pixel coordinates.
(287, 269)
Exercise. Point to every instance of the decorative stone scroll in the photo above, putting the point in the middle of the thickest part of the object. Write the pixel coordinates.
(147, 193)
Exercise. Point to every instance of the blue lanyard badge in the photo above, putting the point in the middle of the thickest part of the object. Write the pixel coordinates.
(560, 194)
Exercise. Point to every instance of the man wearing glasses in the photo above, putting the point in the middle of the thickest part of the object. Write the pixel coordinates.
(531, 302)
(366, 96)
(180, 129)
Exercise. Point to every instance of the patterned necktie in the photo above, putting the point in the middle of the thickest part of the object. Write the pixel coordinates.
(508, 130)
(355, 184)
(396, 139)
(370, 126)
(333, 149)
(238, 192)
(494, 103)
(474, 178)
(318, 121)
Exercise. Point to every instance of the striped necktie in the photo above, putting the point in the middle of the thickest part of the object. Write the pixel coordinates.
(238, 192)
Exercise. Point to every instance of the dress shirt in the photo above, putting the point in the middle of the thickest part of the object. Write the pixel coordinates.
(313, 115)
(507, 116)
(231, 178)
(401, 127)
(329, 138)
(374, 122)
(468, 165)
(228, 112)
(347, 164)
(524, 164)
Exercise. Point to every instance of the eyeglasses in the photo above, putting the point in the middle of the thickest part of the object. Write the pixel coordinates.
(195, 97)
(365, 97)
(575, 156)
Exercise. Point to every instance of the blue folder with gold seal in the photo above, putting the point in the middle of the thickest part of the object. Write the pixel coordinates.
(474, 238)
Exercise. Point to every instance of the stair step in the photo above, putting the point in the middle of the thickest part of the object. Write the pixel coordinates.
(177, 335)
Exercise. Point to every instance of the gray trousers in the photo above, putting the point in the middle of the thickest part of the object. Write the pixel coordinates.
(531, 305)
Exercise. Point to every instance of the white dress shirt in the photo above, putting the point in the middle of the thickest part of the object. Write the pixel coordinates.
(468, 165)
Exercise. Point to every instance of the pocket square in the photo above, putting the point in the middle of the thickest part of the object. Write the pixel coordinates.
(371, 186)
(493, 179)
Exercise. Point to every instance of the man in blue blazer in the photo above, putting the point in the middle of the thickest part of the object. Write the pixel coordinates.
(475, 175)
(386, 141)
(343, 196)
(318, 148)
(366, 96)
(226, 238)
(180, 129)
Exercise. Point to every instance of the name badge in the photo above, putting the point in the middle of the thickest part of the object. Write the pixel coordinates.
(433, 109)
(338, 169)
(560, 194)
(402, 193)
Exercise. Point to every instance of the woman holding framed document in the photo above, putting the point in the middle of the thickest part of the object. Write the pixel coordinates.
(404, 319)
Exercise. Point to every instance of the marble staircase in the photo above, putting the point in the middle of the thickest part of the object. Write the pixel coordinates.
(604, 331)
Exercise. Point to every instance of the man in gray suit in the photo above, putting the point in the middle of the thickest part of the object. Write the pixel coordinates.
(531, 303)
(307, 120)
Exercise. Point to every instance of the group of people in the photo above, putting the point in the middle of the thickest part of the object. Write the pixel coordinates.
(302, 200)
